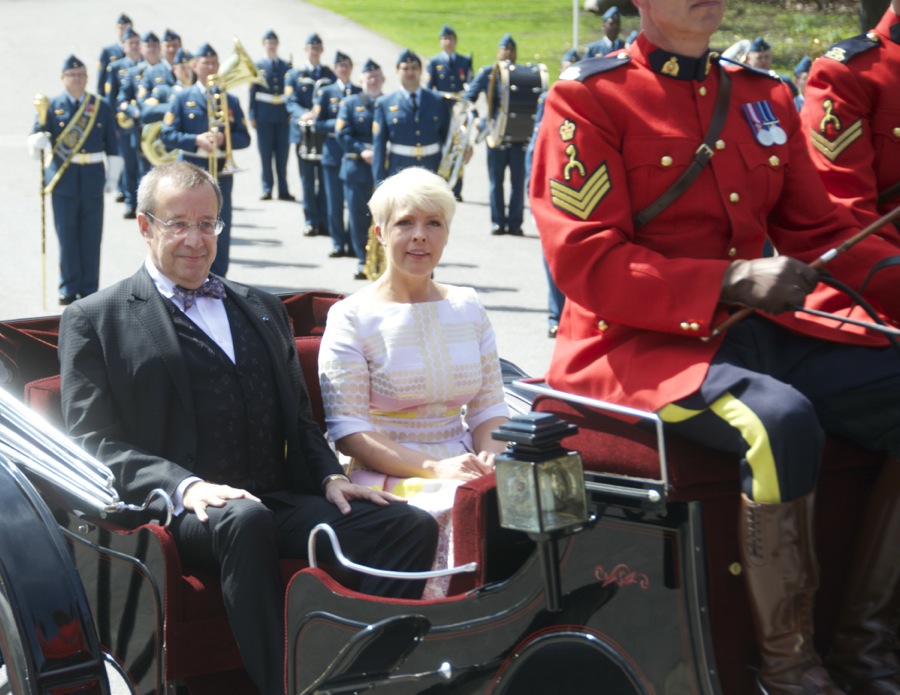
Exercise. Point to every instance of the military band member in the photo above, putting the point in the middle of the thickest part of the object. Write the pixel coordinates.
(611, 41)
(112, 80)
(852, 119)
(80, 129)
(171, 43)
(113, 51)
(186, 127)
(328, 103)
(302, 85)
(649, 277)
(505, 155)
(801, 75)
(354, 133)
(269, 118)
(411, 124)
(156, 103)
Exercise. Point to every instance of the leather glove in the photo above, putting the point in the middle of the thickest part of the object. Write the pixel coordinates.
(37, 143)
(773, 285)
(114, 166)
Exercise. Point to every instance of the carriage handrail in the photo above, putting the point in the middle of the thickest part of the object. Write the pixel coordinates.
(374, 571)
(541, 388)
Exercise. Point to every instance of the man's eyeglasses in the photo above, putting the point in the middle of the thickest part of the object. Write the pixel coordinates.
(179, 229)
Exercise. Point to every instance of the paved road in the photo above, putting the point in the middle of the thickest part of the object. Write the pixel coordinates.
(268, 249)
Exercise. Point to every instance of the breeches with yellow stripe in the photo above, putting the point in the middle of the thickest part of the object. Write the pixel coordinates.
(770, 395)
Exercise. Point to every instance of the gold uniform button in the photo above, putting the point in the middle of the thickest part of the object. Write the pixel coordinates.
(720, 144)
(666, 161)
(702, 91)
(732, 252)
(896, 132)
(685, 326)
(602, 325)
(774, 161)
(734, 198)
(695, 326)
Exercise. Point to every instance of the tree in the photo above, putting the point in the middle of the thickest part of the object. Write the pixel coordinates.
(870, 12)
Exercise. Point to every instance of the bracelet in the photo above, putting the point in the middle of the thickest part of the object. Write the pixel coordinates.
(334, 476)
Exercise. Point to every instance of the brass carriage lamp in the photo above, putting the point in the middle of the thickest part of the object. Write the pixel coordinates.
(540, 485)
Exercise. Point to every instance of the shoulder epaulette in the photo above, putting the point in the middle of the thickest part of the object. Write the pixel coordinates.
(844, 50)
(589, 67)
(771, 74)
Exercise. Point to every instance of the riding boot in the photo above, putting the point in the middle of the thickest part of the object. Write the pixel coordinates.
(864, 653)
(782, 576)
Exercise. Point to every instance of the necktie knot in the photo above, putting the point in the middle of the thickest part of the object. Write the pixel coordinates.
(412, 98)
(213, 288)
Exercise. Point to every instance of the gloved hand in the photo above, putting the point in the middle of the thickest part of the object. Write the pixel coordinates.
(114, 165)
(773, 285)
(37, 143)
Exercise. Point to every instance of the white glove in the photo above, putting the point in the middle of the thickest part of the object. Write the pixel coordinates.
(114, 165)
(37, 143)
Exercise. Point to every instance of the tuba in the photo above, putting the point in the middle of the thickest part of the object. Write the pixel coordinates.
(459, 141)
(236, 70)
(152, 145)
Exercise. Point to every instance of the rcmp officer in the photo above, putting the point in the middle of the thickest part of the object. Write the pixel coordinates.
(651, 263)
(113, 51)
(80, 129)
(612, 25)
(269, 117)
(186, 128)
(411, 124)
(354, 133)
(506, 155)
(449, 73)
(302, 85)
(852, 119)
(328, 103)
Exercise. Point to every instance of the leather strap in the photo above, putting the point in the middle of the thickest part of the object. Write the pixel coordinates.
(701, 157)
(888, 194)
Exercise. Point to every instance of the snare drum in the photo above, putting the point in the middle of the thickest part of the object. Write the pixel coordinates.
(312, 142)
(512, 115)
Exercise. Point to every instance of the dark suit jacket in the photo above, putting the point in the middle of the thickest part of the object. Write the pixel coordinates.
(126, 395)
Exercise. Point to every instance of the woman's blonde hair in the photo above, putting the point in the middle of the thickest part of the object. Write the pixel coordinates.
(414, 188)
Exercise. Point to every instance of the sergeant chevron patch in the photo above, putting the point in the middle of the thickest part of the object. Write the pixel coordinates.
(581, 202)
(831, 149)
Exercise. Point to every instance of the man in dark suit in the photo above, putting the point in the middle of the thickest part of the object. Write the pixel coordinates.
(180, 380)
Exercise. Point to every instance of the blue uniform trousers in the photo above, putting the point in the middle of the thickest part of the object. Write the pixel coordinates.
(334, 195)
(79, 228)
(131, 170)
(499, 159)
(357, 196)
(770, 395)
(272, 139)
(314, 204)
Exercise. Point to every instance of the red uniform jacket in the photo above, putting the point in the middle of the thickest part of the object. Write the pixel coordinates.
(639, 300)
(852, 115)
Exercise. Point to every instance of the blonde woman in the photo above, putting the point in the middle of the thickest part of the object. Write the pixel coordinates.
(409, 368)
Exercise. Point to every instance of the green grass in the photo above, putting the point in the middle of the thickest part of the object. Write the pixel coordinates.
(543, 28)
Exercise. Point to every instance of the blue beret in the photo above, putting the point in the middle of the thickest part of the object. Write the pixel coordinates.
(759, 44)
(340, 57)
(612, 13)
(169, 35)
(571, 56)
(507, 42)
(314, 38)
(129, 34)
(803, 66)
(270, 35)
(72, 63)
(408, 56)
(446, 30)
(370, 66)
(150, 37)
(123, 19)
(182, 56)
(207, 51)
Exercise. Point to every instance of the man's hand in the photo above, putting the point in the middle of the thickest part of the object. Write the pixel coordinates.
(339, 492)
(201, 495)
(773, 285)
(308, 116)
(367, 156)
(207, 141)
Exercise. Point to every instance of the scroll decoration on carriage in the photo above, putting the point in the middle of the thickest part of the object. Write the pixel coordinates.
(510, 119)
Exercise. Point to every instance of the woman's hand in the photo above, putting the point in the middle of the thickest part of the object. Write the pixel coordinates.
(463, 467)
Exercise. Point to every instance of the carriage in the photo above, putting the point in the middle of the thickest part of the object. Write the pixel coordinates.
(639, 593)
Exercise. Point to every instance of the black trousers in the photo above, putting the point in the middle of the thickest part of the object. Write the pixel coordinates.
(244, 540)
(770, 395)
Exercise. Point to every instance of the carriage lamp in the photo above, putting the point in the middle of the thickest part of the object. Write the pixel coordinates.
(540, 485)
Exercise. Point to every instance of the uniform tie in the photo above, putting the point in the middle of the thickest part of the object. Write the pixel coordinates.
(213, 288)
(415, 107)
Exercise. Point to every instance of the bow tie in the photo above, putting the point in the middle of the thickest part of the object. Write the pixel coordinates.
(213, 288)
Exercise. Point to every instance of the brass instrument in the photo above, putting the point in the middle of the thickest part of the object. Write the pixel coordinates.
(152, 145)
(459, 141)
(375, 258)
(42, 104)
(236, 70)
(815, 49)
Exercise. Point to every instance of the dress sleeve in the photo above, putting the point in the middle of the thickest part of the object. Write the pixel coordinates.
(344, 375)
(489, 401)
